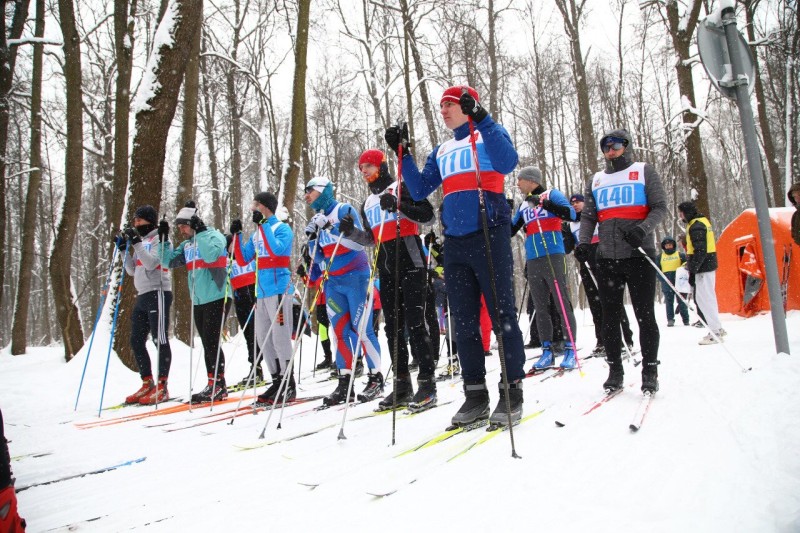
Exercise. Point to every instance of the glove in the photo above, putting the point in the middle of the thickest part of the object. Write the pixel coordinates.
(471, 108)
(320, 221)
(430, 238)
(163, 230)
(132, 235)
(397, 136)
(533, 200)
(236, 226)
(583, 252)
(546, 204)
(634, 237)
(347, 225)
(121, 242)
(691, 279)
(196, 223)
(389, 203)
(257, 217)
(300, 271)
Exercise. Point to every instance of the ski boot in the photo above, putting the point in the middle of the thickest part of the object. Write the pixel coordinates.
(147, 386)
(340, 392)
(157, 394)
(359, 368)
(404, 392)
(500, 415)
(325, 364)
(650, 377)
(615, 376)
(546, 359)
(569, 361)
(476, 404)
(425, 398)
(268, 396)
(373, 389)
(599, 351)
(450, 370)
(214, 391)
(247, 381)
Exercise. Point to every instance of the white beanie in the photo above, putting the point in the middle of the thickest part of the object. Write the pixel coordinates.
(185, 214)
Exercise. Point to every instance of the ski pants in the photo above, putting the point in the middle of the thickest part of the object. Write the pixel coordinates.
(639, 276)
(432, 320)
(595, 306)
(706, 297)
(346, 299)
(409, 313)
(543, 287)
(208, 321)
(244, 298)
(467, 271)
(555, 319)
(669, 300)
(274, 331)
(151, 317)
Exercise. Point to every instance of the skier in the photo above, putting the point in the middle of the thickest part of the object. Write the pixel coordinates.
(381, 212)
(669, 260)
(701, 262)
(592, 294)
(452, 165)
(628, 202)
(204, 256)
(541, 214)
(151, 311)
(345, 289)
(270, 246)
(10, 521)
(243, 285)
(794, 199)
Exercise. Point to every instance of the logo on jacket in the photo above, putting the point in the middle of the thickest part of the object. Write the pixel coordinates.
(633, 176)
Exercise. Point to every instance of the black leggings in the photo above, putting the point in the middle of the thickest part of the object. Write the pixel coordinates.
(639, 275)
(208, 320)
(244, 298)
(151, 316)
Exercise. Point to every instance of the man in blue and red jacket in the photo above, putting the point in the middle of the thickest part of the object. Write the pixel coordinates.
(452, 166)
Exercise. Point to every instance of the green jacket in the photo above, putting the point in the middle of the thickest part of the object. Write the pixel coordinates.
(206, 260)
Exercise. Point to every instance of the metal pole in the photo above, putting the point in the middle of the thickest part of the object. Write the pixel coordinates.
(756, 180)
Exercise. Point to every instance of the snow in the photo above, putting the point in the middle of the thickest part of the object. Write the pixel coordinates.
(717, 451)
(149, 85)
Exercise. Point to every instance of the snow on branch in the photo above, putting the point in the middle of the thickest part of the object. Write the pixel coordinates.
(34, 40)
(149, 86)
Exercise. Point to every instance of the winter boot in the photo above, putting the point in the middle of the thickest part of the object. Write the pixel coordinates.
(615, 376)
(157, 394)
(147, 386)
(268, 396)
(340, 393)
(500, 415)
(325, 364)
(650, 377)
(214, 391)
(569, 361)
(404, 392)
(373, 389)
(546, 359)
(425, 398)
(476, 404)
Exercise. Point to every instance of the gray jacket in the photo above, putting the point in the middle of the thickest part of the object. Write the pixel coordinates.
(143, 264)
(610, 232)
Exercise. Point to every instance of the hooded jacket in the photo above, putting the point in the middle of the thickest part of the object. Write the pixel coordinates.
(796, 214)
(702, 256)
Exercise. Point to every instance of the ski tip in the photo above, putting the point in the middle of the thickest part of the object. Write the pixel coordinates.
(634, 428)
(560, 424)
(381, 494)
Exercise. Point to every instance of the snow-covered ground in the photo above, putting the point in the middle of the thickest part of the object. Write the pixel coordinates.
(717, 452)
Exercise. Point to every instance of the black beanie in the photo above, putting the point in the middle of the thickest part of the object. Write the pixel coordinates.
(146, 212)
(268, 200)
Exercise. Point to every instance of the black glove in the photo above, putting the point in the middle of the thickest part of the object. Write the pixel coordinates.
(121, 242)
(533, 200)
(691, 279)
(163, 230)
(132, 235)
(196, 223)
(430, 238)
(389, 203)
(300, 271)
(257, 217)
(347, 225)
(471, 108)
(236, 226)
(634, 237)
(397, 136)
(583, 252)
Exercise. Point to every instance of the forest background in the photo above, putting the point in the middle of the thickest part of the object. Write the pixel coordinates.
(107, 105)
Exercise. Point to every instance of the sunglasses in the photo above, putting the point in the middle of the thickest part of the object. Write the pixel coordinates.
(615, 144)
(308, 189)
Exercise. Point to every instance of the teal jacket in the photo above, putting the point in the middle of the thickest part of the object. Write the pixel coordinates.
(206, 260)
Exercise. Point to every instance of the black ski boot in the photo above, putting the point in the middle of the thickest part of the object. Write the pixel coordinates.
(359, 368)
(325, 364)
(215, 390)
(404, 392)
(500, 416)
(247, 381)
(340, 393)
(615, 375)
(425, 398)
(476, 404)
(268, 396)
(650, 377)
(373, 389)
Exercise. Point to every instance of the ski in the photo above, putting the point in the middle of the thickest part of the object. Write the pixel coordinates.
(89, 473)
(608, 395)
(240, 387)
(442, 436)
(492, 431)
(641, 411)
(264, 443)
(30, 455)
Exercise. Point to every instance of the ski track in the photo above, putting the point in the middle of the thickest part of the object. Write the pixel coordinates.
(715, 441)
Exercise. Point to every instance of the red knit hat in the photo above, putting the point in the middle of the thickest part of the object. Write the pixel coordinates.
(373, 156)
(453, 94)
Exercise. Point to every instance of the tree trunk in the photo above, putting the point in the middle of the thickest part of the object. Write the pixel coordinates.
(61, 259)
(19, 330)
(423, 85)
(211, 142)
(8, 58)
(153, 122)
(298, 105)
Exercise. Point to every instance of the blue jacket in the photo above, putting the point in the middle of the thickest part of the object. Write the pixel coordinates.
(273, 276)
(350, 255)
(550, 240)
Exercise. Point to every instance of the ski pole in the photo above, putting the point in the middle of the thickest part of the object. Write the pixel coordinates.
(490, 265)
(113, 331)
(191, 318)
(397, 287)
(162, 319)
(103, 294)
(718, 339)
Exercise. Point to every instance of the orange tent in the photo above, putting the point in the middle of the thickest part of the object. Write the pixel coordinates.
(741, 264)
